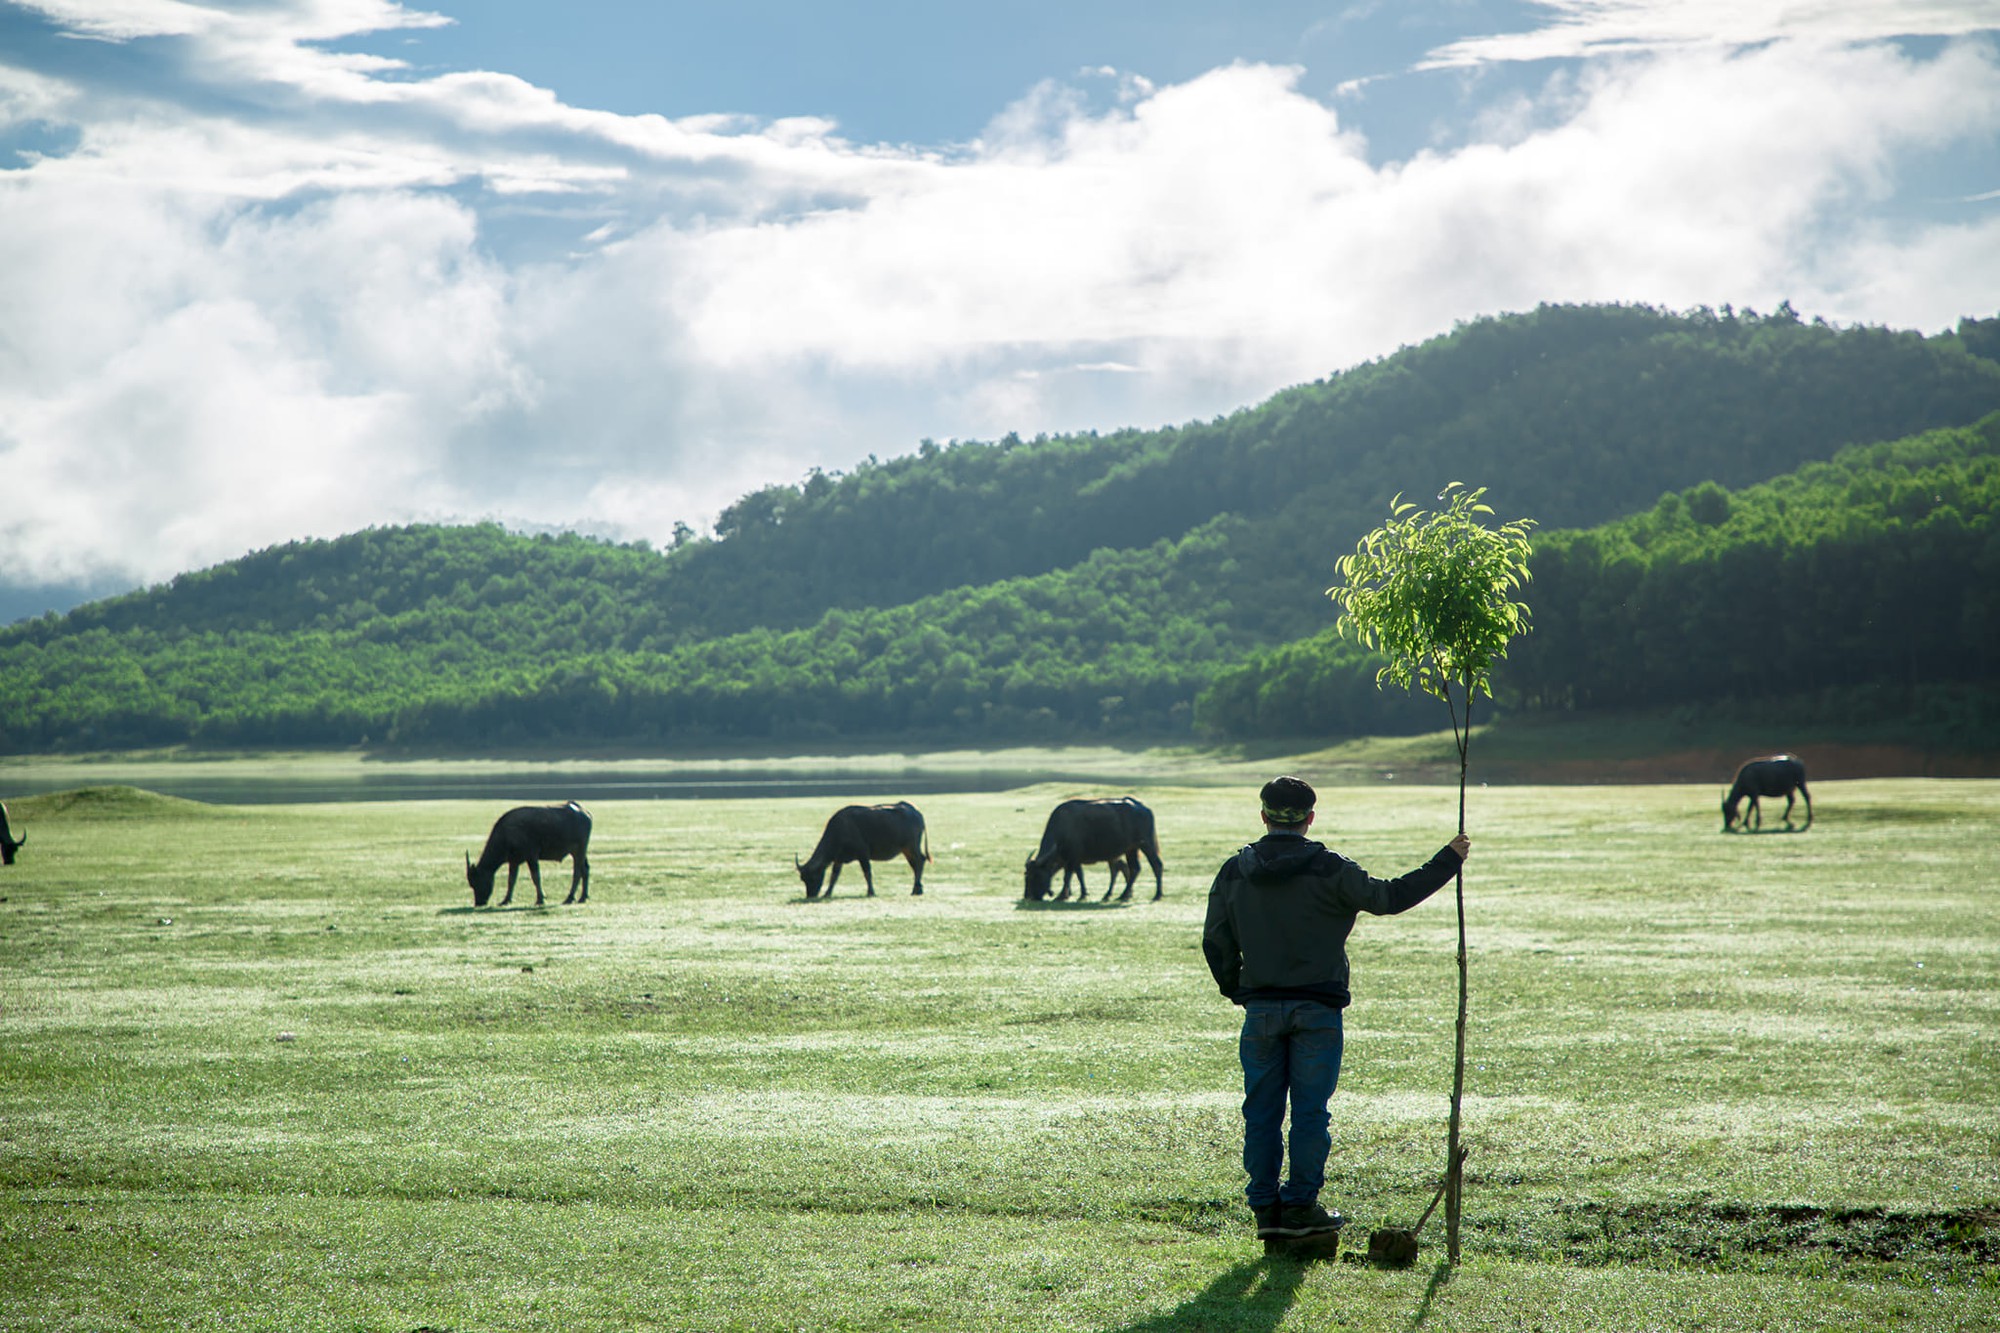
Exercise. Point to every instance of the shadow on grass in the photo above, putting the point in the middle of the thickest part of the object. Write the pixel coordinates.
(1440, 1278)
(802, 901)
(467, 909)
(1237, 1300)
(1079, 905)
(1727, 1234)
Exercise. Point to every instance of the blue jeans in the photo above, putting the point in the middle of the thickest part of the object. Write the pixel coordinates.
(1290, 1050)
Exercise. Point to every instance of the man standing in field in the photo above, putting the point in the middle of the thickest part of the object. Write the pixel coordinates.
(1279, 914)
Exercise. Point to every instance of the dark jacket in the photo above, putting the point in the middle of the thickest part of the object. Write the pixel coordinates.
(1280, 911)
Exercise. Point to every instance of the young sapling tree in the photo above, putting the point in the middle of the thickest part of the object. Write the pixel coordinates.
(1433, 592)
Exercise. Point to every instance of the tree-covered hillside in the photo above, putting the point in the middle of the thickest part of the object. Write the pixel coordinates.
(1087, 584)
(1880, 567)
(1874, 573)
(1577, 414)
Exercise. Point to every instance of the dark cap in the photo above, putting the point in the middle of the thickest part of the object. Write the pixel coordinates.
(1287, 800)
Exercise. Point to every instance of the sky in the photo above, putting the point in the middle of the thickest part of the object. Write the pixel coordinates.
(280, 269)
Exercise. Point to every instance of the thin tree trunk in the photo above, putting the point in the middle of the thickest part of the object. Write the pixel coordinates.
(1454, 1158)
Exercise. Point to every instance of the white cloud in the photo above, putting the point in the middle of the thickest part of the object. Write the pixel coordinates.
(267, 27)
(1229, 227)
(1907, 280)
(1580, 28)
(228, 321)
(186, 384)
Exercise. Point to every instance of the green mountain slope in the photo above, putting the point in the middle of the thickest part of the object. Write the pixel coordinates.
(1576, 414)
(1879, 568)
(1869, 577)
(1017, 589)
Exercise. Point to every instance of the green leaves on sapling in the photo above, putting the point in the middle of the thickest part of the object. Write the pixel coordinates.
(1433, 591)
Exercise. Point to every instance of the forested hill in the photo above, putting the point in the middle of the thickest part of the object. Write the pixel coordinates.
(1093, 583)
(1871, 580)
(1574, 414)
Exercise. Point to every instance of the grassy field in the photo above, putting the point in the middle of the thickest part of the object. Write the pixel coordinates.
(266, 1068)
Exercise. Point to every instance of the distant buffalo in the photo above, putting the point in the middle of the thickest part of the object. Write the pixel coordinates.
(1081, 832)
(866, 833)
(532, 834)
(1774, 775)
(8, 843)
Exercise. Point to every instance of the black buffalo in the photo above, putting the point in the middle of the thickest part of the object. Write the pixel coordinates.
(1081, 832)
(8, 843)
(1774, 775)
(866, 833)
(533, 834)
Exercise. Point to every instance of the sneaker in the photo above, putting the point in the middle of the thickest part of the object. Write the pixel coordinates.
(1267, 1216)
(1307, 1219)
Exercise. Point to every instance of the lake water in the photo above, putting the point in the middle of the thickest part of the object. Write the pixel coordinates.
(533, 785)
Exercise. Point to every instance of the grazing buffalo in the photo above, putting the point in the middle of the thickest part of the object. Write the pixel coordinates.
(8, 843)
(534, 834)
(866, 833)
(1773, 775)
(1081, 832)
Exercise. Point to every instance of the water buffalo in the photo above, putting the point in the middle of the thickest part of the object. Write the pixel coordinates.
(1773, 775)
(8, 843)
(1080, 832)
(866, 833)
(533, 834)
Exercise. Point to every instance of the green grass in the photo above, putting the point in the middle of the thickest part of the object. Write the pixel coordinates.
(266, 1068)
